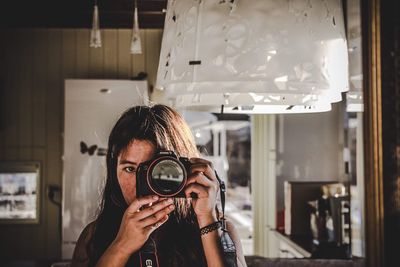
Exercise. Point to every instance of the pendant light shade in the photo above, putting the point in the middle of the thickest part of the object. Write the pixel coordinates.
(253, 56)
(95, 36)
(136, 46)
(354, 96)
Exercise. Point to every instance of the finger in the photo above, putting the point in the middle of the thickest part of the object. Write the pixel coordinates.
(201, 161)
(149, 229)
(201, 168)
(207, 169)
(198, 189)
(157, 217)
(151, 203)
(200, 178)
(154, 208)
(139, 202)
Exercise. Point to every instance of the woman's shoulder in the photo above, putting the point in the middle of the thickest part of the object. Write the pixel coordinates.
(81, 253)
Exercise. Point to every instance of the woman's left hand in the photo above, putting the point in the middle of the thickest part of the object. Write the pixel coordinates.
(203, 182)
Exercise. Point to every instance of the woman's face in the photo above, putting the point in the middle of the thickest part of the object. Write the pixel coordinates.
(129, 159)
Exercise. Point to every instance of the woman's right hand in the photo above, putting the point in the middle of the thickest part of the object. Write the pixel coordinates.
(138, 223)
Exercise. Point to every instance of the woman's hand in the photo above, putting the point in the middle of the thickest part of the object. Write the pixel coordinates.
(137, 224)
(203, 182)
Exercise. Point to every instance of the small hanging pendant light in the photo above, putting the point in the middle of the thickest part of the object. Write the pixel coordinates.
(136, 46)
(95, 36)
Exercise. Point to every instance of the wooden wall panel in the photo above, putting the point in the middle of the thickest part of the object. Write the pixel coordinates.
(68, 54)
(35, 64)
(110, 54)
(124, 59)
(53, 139)
(12, 108)
(9, 154)
(153, 39)
(82, 53)
(68, 67)
(24, 84)
(96, 60)
(39, 86)
(138, 61)
(3, 89)
(39, 231)
(3, 110)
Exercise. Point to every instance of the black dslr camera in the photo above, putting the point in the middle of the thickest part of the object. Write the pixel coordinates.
(165, 175)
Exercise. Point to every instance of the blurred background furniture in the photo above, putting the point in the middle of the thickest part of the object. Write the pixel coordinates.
(255, 261)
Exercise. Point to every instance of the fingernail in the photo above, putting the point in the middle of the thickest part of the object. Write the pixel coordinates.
(155, 197)
(170, 200)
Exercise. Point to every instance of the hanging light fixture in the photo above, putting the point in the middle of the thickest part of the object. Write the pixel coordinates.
(95, 36)
(136, 46)
(354, 97)
(253, 56)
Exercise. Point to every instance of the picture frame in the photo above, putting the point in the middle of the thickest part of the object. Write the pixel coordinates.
(20, 192)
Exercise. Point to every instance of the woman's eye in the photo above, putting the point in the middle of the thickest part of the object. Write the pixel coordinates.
(129, 169)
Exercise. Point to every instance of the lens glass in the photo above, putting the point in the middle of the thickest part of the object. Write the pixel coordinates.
(167, 177)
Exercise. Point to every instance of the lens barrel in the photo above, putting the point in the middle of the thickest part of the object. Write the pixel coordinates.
(165, 175)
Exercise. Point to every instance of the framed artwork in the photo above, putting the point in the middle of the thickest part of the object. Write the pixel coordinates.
(19, 192)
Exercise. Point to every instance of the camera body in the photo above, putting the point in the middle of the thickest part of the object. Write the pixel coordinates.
(164, 175)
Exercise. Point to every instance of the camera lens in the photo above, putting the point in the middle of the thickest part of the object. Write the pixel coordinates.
(167, 177)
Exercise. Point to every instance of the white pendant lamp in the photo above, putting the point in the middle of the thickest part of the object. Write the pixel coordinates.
(95, 36)
(136, 46)
(354, 97)
(253, 56)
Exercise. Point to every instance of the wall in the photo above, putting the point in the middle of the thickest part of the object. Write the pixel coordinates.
(263, 184)
(309, 148)
(33, 66)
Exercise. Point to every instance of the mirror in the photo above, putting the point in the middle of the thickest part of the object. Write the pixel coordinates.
(307, 171)
(31, 126)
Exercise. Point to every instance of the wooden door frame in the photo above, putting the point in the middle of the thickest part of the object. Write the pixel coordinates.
(372, 83)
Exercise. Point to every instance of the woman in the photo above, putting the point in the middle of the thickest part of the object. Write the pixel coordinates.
(125, 222)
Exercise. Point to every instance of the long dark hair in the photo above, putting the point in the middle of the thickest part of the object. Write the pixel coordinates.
(178, 241)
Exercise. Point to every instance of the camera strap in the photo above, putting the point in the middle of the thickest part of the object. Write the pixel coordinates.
(228, 246)
(148, 254)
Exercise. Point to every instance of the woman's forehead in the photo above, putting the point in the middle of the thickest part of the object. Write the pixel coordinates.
(137, 151)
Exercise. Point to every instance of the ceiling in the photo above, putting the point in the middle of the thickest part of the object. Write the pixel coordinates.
(78, 13)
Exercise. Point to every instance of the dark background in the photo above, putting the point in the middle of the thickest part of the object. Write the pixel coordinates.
(390, 52)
